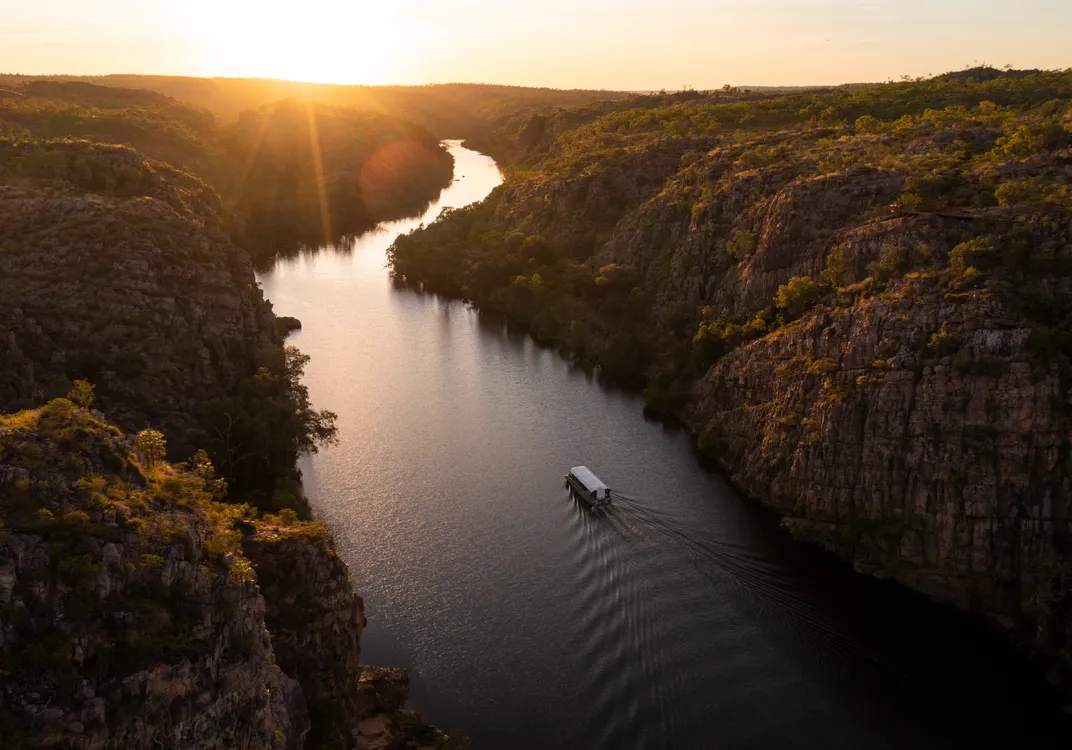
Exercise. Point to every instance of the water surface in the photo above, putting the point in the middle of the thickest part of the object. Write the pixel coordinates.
(681, 618)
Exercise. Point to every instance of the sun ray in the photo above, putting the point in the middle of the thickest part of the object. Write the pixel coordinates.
(318, 167)
(239, 182)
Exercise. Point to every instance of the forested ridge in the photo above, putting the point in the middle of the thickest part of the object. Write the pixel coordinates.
(290, 173)
(859, 299)
(127, 219)
(144, 601)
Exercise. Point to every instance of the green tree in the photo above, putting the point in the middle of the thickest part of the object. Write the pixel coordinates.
(82, 394)
(799, 295)
(834, 274)
(152, 445)
(257, 434)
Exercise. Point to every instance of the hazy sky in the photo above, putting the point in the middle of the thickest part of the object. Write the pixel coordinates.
(626, 44)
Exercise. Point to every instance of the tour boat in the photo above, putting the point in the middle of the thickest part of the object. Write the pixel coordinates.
(588, 486)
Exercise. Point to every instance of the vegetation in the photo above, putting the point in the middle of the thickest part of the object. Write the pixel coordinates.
(965, 143)
(85, 487)
(256, 435)
(290, 174)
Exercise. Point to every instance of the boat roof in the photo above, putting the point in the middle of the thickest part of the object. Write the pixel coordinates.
(585, 476)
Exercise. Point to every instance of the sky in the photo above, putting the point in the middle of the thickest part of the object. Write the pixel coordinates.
(625, 45)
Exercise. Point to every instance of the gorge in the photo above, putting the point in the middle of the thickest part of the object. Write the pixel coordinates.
(683, 617)
(854, 302)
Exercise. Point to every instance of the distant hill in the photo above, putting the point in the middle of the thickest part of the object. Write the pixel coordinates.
(982, 74)
(451, 110)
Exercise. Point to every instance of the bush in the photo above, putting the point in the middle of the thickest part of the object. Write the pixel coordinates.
(82, 394)
(980, 253)
(891, 265)
(76, 518)
(741, 245)
(824, 366)
(152, 446)
(1024, 191)
(944, 341)
(834, 275)
(869, 125)
(799, 295)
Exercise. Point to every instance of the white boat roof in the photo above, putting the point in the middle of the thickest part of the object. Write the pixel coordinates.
(585, 476)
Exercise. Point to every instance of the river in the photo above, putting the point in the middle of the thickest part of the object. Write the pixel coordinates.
(681, 618)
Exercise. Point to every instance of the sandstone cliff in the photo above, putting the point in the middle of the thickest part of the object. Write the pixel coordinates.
(137, 611)
(118, 270)
(128, 615)
(859, 301)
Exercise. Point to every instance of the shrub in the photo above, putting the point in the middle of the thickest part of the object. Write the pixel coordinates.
(152, 445)
(835, 393)
(76, 517)
(869, 125)
(834, 275)
(799, 295)
(741, 245)
(82, 394)
(242, 571)
(1028, 140)
(944, 341)
(824, 366)
(979, 253)
(1024, 191)
(892, 263)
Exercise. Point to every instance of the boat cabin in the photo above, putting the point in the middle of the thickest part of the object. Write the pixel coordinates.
(588, 485)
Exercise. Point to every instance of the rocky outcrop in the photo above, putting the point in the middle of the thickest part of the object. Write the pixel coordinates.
(948, 470)
(136, 611)
(861, 304)
(316, 621)
(118, 271)
(128, 617)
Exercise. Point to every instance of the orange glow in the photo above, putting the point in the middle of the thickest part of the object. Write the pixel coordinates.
(347, 43)
(389, 169)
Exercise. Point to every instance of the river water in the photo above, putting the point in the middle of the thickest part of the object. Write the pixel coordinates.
(680, 618)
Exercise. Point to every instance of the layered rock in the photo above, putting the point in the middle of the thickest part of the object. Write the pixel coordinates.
(861, 303)
(128, 616)
(316, 621)
(947, 470)
(118, 270)
(133, 613)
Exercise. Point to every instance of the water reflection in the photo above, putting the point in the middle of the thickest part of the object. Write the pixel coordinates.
(682, 618)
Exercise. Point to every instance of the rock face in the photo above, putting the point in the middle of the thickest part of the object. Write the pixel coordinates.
(125, 619)
(864, 314)
(134, 287)
(316, 621)
(950, 473)
(135, 613)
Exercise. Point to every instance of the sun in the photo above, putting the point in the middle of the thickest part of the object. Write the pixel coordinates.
(315, 41)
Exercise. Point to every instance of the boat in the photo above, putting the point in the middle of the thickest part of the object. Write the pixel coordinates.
(588, 486)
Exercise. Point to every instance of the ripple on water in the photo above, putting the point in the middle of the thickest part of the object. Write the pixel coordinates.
(680, 618)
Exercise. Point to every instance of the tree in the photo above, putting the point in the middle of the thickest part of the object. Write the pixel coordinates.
(257, 434)
(203, 466)
(82, 394)
(799, 295)
(152, 445)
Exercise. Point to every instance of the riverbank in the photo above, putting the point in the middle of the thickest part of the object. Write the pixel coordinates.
(123, 289)
(802, 289)
(446, 498)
